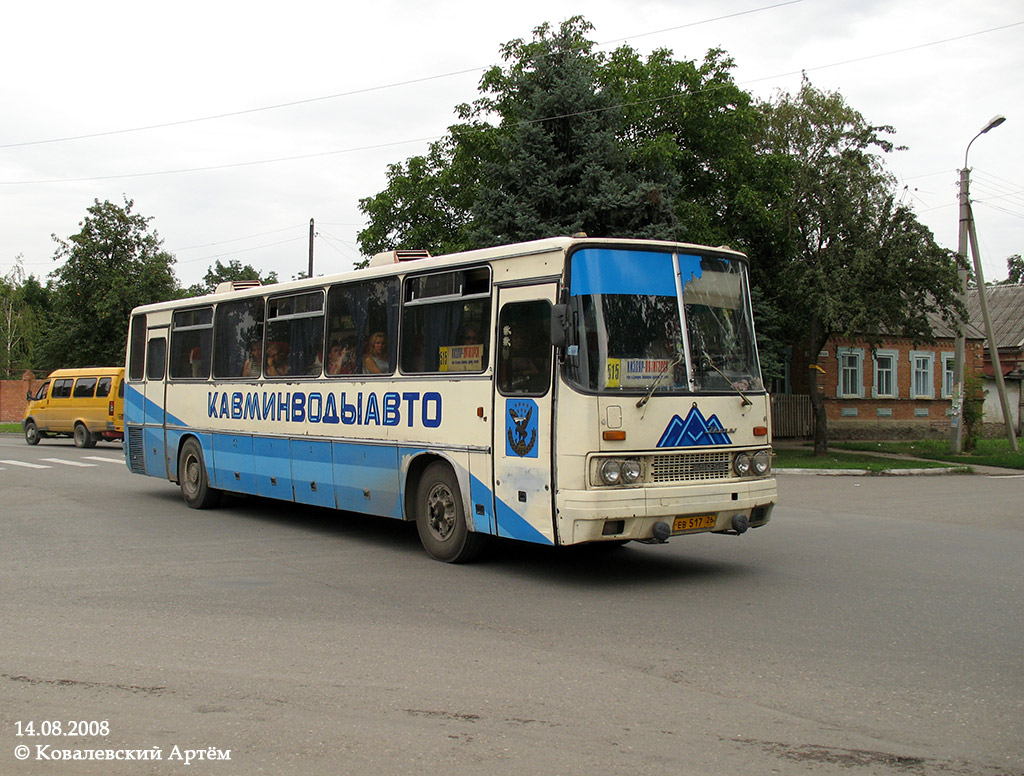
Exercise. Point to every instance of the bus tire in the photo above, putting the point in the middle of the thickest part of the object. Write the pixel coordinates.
(441, 517)
(195, 484)
(83, 436)
(31, 433)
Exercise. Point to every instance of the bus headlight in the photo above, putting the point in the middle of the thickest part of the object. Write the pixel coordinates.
(741, 464)
(762, 462)
(611, 472)
(631, 471)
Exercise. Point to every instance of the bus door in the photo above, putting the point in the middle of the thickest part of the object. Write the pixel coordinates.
(523, 487)
(155, 402)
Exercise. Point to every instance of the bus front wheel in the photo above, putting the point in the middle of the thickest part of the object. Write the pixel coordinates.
(441, 517)
(31, 433)
(195, 484)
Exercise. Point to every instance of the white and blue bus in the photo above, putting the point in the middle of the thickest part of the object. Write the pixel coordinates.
(561, 391)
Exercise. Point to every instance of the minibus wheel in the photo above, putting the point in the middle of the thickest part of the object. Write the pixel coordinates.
(441, 517)
(84, 437)
(195, 484)
(31, 433)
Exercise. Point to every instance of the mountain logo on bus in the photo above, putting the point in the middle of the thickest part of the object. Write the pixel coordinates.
(521, 428)
(694, 430)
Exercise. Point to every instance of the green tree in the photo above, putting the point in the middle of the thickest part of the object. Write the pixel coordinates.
(233, 270)
(114, 263)
(1014, 270)
(851, 261)
(18, 321)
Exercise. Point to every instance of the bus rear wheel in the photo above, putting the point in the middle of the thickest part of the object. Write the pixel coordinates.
(441, 517)
(83, 436)
(195, 484)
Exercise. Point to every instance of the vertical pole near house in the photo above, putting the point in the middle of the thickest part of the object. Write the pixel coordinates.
(310, 248)
(993, 346)
(956, 419)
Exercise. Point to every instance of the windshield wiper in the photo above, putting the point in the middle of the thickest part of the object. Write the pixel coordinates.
(657, 381)
(746, 402)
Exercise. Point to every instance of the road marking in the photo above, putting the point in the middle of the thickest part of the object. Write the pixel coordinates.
(26, 464)
(1006, 476)
(65, 462)
(119, 461)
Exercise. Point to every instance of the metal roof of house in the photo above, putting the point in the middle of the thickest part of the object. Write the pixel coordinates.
(1005, 308)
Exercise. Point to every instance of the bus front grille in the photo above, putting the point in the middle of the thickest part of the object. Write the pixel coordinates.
(136, 450)
(686, 467)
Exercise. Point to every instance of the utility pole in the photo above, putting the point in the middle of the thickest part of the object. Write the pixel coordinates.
(310, 248)
(968, 234)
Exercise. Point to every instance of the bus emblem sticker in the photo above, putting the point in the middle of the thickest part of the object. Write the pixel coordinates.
(521, 428)
(695, 430)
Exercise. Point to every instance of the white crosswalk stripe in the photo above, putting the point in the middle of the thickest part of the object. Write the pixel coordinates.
(66, 462)
(119, 461)
(26, 464)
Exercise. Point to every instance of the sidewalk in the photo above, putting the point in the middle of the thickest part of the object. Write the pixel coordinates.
(992, 471)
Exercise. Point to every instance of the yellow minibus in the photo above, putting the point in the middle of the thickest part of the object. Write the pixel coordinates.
(85, 404)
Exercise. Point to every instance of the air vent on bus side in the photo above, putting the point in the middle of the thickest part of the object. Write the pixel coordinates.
(393, 257)
(236, 285)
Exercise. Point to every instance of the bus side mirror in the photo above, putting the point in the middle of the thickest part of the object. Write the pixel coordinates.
(28, 395)
(559, 325)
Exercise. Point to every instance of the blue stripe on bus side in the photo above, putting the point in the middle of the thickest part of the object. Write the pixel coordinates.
(513, 526)
(366, 479)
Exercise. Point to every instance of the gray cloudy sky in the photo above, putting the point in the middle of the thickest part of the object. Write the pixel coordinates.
(372, 83)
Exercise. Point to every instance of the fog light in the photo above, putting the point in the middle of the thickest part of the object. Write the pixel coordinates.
(762, 462)
(742, 464)
(630, 471)
(611, 472)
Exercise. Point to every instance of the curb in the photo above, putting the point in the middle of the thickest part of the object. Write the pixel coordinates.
(883, 473)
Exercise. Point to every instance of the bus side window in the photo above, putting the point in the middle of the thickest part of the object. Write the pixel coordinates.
(62, 388)
(103, 388)
(156, 358)
(85, 387)
(137, 349)
(524, 360)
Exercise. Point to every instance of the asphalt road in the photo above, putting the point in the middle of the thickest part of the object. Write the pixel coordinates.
(874, 627)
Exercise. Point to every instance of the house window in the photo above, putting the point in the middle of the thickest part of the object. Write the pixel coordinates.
(922, 369)
(885, 385)
(947, 375)
(851, 374)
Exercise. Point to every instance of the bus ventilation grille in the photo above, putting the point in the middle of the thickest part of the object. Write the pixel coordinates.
(136, 451)
(686, 467)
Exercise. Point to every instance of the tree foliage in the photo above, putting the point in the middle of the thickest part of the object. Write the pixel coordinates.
(852, 261)
(222, 273)
(114, 263)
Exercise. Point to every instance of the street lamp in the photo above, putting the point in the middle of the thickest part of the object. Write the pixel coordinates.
(967, 233)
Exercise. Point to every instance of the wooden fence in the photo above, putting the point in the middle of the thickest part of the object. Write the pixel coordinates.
(792, 416)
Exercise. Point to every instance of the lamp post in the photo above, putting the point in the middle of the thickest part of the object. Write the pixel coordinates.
(967, 234)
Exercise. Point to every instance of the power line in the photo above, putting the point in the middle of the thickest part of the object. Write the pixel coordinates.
(353, 92)
(299, 157)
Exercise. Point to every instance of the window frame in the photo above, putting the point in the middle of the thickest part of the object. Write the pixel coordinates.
(858, 368)
(893, 357)
(922, 356)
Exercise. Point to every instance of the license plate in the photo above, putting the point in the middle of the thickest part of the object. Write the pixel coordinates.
(693, 523)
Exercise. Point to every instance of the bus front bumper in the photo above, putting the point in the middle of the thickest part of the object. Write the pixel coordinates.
(632, 513)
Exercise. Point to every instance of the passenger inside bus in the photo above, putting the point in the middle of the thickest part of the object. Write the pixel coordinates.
(341, 360)
(277, 359)
(251, 368)
(375, 362)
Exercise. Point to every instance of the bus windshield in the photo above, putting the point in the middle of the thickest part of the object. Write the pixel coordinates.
(648, 321)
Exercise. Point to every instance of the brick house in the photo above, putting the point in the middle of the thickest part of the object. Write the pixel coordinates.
(903, 389)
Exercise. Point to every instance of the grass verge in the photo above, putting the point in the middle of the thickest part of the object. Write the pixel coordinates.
(990, 452)
(805, 459)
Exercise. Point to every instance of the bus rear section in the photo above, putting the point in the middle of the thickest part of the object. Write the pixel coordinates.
(84, 404)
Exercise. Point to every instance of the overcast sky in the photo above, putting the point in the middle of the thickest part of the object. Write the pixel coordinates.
(321, 97)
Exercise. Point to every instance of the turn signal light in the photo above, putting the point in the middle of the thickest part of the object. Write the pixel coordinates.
(760, 430)
(614, 436)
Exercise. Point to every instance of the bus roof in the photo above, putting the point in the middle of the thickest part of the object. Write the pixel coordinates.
(385, 269)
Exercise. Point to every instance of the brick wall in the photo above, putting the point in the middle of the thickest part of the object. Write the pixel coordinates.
(12, 397)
